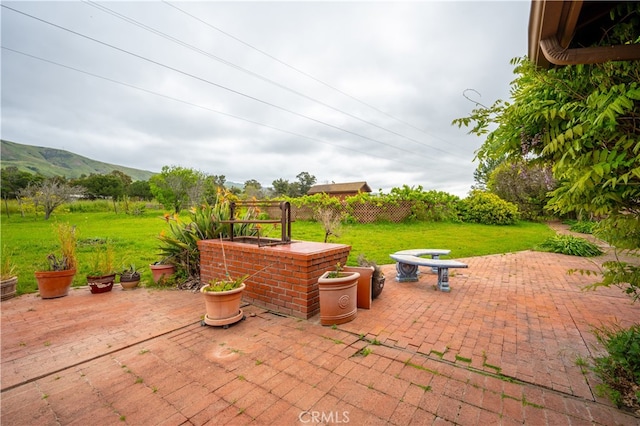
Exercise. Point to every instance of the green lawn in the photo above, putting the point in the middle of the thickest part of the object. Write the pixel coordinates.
(30, 239)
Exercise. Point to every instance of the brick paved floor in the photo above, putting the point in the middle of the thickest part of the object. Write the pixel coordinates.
(501, 348)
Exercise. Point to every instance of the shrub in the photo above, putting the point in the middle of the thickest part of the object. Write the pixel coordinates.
(525, 185)
(583, 226)
(568, 244)
(488, 209)
(620, 369)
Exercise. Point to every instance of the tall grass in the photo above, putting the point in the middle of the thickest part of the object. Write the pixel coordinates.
(135, 239)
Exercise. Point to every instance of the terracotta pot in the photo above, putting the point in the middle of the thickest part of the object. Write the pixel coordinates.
(338, 298)
(364, 284)
(101, 284)
(52, 284)
(223, 307)
(158, 271)
(9, 287)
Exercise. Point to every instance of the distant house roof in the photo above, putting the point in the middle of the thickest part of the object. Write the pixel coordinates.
(339, 188)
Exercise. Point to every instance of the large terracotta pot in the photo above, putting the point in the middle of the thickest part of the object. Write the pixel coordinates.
(223, 307)
(158, 271)
(101, 284)
(9, 287)
(338, 298)
(52, 284)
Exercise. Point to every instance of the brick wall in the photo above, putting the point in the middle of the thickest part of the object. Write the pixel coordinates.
(283, 278)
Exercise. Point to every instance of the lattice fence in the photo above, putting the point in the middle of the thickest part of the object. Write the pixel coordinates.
(363, 213)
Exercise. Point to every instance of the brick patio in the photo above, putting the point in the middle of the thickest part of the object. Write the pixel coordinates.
(500, 348)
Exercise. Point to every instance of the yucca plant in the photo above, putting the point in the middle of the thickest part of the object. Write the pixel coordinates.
(179, 246)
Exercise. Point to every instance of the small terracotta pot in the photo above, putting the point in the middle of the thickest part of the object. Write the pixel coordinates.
(52, 284)
(158, 271)
(338, 298)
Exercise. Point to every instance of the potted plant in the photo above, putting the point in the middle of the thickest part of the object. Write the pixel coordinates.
(8, 278)
(161, 269)
(222, 299)
(338, 296)
(377, 279)
(129, 277)
(102, 273)
(56, 280)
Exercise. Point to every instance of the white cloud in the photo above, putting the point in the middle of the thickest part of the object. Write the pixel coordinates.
(411, 60)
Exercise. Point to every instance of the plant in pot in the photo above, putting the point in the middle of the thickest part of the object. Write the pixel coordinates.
(370, 282)
(8, 277)
(162, 270)
(222, 298)
(102, 273)
(129, 277)
(377, 279)
(56, 279)
(338, 296)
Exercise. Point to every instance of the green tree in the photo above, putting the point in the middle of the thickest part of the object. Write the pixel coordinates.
(280, 187)
(13, 180)
(525, 185)
(140, 189)
(305, 182)
(177, 187)
(51, 193)
(253, 189)
(585, 121)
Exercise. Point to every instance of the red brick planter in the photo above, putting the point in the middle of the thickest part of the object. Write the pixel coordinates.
(288, 285)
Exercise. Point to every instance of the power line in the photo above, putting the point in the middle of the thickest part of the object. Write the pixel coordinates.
(208, 81)
(151, 92)
(253, 74)
(302, 72)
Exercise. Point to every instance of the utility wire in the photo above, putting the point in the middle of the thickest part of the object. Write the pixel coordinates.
(302, 72)
(208, 81)
(253, 74)
(226, 114)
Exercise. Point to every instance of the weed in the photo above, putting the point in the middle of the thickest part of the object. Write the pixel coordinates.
(143, 351)
(530, 404)
(139, 380)
(463, 359)
(363, 352)
(45, 396)
(438, 353)
(259, 362)
(423, 387)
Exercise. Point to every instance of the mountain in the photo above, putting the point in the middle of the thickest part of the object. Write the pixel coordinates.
(57, 162)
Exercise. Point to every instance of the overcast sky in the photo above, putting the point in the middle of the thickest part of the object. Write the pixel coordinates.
(346, 91)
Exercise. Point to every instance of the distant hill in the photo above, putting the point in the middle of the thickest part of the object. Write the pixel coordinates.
(57, 162)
